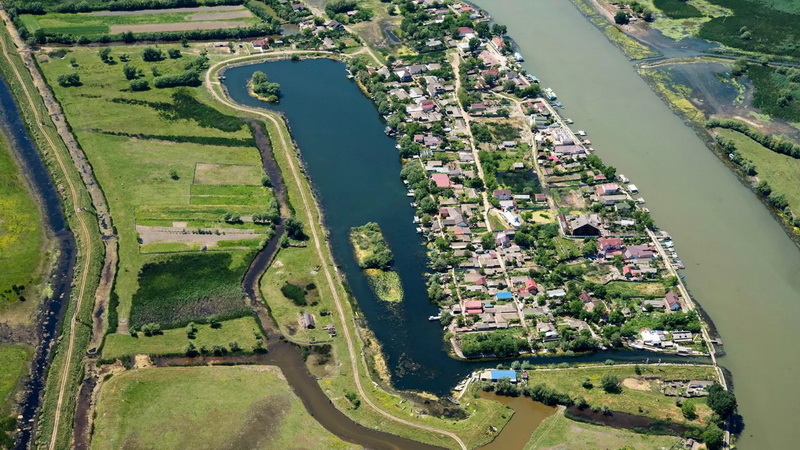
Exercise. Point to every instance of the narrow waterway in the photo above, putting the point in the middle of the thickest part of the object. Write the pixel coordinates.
(528, 415)
(741, 267)
(60, 283)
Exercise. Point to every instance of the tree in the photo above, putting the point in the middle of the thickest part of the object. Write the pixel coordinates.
(763, 188)
(739, 67)
(130, 72)
(151, 54)
(174, 174)
(474, 45)
(487, 241)
(610, 383)
(688, 410)
(139, 85)
(590, 248)
(294, 229)
(621, 18)
(721, 401)
(70, 79)
(105, 54)
(713, 437)
(174, 53)
(128, 37)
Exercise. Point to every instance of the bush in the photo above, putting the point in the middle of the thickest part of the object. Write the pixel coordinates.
(70, 79)
(151, 54)
(186, 78)
(139, 85)
(689, 411)
(294, 293)
(174, 53)
(610, 383)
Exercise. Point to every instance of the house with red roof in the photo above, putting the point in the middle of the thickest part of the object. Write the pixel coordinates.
(607, 189)
(672, 302)
(474, 307)
(442, 180)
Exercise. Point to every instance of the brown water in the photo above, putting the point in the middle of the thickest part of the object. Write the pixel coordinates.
(741, 267)
(528, 414)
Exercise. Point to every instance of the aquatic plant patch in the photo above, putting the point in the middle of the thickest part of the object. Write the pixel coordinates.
(777, 91)
(386, 284)
(190, 287)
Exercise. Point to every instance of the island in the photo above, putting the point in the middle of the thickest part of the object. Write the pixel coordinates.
(375, 258)
(261, 88)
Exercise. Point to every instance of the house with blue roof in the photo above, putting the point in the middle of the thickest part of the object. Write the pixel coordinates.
(504, 295)
(497, 375)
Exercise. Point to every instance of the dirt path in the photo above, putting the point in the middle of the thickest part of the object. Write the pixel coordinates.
(97, 197)
(286, 146)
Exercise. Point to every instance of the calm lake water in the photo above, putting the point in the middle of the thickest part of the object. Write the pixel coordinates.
(741, 267)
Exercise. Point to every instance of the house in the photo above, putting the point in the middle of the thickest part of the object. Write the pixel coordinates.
(540, 198)
(638, 252)
(466, 32)
(334, 25)
(502, 194)
(609, 245)
(497, 375)
(260, 44)
(531, 287)
(682, 336)
(442, 180)
(474, 307)
(556, 293)
(607, 189)
(672, 302)
(504, 295)
(651, 337)
(307, 321)
(585, 225)
(503, 238)
(403, 74)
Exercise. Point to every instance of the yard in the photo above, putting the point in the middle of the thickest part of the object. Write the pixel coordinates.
(161, 155)
(780, 171)
(640, 394)
(218, 407)
(626, 289)
(558, 432)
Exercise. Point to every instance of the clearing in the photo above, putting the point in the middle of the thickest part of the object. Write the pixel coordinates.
(219, 407)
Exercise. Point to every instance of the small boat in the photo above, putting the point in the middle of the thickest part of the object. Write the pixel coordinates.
(645, 210)
(518, 57)
(413, 204)
(397, 146)
(419, 230)
(582, 133)
(633, 189)
(550, 94)
(623, 178)
(558, 104)
(569, 121)
(434, 318)
(416, 219)
(349, 74)
(640, 200)
(410, 193)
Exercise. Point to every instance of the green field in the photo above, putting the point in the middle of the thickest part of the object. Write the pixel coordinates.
(205, 407)
(625, 289)
(13, 363)
(677, 9)
(770, 31)
(173, 342)
(780, 171)
(93, 24)
(558, 432)
(21, 240)
(190, 287)
(158, 181)
(642, 397)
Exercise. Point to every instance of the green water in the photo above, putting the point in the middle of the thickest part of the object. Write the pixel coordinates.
(741, 267)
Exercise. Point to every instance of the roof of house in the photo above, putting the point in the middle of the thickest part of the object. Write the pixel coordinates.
(473, 304)
(504, 295)
(500, 374)
(441, 179)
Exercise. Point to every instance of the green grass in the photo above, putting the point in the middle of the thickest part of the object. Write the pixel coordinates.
(135, 173)
(647, 400)
(218, 407)
(771, 84)
(771, 31)
(780, 171)
(174, 341)
(677, 9)
(87, 24)
(559, 432)
(13, 364)
(627, 289)
(190, 287)
(21, 241)
(386, 284)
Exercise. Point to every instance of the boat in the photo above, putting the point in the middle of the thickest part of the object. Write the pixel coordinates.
(416, 219)
(550, 94)
(410, 193)
(633, 189)
(623, 178)
(558, 104)
(582, 133)
(640, 200)
(518, 57)
(419, 230)
(413, 204)
(569, 121)
(434, 318)
(349, 74)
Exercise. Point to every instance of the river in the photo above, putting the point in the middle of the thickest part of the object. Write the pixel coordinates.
(741, 266)
(12, 125)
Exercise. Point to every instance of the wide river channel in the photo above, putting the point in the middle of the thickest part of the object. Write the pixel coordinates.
(741, 266)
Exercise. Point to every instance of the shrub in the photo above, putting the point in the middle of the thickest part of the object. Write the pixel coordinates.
(174, 53)
(610, 383)
(185, 78)
(294, 293)
(70, 79)
(151, 54)
(139, 85)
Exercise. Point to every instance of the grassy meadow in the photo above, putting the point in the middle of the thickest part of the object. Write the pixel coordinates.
(677, 9)
(13, 364)
(243, 331)
(217, 407)
(557, 431)
(640, 394)
(92, 24)
(21, 242)
(777, 91)
(780, 171)
(164, 156)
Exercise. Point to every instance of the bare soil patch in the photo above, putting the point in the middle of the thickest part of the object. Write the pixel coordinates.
(168, 10)
(637, 384)
(141, 362)
(222, 15)
(149, 235)
(181, 26)
(221, 174)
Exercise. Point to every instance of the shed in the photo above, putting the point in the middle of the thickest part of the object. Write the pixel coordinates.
(307, 321)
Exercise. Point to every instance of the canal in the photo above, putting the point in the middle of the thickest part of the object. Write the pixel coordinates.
(740, 265)
(12, 125)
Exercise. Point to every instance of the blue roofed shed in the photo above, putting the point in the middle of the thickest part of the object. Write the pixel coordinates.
(504, 295)
(497, 375)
